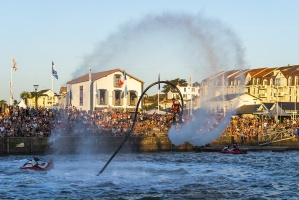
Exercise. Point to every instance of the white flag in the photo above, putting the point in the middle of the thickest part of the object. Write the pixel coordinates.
(14, 64)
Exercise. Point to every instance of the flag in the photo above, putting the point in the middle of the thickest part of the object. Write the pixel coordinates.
(159, 81)
(96, 93)
(71, 95)
(122, 79)
(14, 64)
(54, 71)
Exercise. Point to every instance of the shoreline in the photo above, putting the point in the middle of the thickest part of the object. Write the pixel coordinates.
(249, 148)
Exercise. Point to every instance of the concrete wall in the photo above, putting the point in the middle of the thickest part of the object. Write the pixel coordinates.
(33, 145)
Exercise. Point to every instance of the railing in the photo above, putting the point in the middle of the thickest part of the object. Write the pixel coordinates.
(275, 136)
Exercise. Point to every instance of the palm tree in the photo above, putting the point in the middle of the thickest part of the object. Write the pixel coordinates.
(25, 95)
(2, 105)
(166, 88)
(2, 102)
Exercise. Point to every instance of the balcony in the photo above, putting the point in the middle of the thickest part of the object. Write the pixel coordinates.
(262, 87)
(280, 94)
(263, 95)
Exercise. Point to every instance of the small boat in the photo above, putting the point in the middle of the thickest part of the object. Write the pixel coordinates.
(38, 166)
(232, 150)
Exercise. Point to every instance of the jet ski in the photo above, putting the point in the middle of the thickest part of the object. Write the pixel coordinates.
(232, 150)
(38, 165)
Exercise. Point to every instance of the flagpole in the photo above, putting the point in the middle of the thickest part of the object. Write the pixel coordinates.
(10, 85)
(90, 89)
(191, 94)
(52, 93)
(158, 93)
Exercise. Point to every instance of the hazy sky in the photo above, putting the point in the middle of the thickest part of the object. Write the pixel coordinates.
(174, 37)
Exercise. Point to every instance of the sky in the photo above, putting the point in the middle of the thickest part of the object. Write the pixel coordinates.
(173, 38)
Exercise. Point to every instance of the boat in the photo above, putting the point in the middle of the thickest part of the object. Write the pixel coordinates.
(38, 166)
(233, 150)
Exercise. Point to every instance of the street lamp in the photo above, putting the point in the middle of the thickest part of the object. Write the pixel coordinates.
(35, 87)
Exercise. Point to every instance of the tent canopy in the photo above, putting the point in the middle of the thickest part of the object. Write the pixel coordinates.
(277, 111)
(156, 111)
(22, 104)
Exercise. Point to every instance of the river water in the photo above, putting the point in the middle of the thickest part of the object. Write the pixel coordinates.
(171, 175)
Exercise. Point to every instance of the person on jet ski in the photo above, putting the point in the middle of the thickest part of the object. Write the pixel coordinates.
(35, 162)
(235, 146)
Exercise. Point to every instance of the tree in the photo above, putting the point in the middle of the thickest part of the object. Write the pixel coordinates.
(166, 88)
(3, 102)
(25, 95)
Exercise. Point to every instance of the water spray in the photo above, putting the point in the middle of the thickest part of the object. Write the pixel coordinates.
(135, 118)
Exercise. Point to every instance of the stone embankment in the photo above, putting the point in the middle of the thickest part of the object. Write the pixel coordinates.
(34, 145)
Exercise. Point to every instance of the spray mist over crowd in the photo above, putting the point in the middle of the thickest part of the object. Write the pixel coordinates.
(175, 45)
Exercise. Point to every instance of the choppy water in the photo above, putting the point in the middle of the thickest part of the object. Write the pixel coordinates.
(173, 175)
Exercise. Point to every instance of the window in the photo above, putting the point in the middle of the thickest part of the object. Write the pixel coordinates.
(265, 82)
(296, 80)
(117, 100)
(185, 89)
(133, 98)
(289, 81)
(258, 81)
(253, 81)
(102, 97)
(116, 80)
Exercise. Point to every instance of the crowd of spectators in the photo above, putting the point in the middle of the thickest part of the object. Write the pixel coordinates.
(43, 122)
(251, 130)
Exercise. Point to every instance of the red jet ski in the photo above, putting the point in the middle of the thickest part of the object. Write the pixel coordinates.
(232, 150)
(38, 165)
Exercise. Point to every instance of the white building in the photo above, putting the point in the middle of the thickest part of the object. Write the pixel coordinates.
(189, 93)
(101, 90)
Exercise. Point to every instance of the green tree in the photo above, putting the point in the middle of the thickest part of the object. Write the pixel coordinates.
(3, 102)
(15, 102)
(166, 88)
(25, 95)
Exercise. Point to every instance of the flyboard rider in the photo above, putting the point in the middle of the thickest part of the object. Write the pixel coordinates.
(176, 109)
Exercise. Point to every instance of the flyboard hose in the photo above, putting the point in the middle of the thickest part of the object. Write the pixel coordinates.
(135, 118)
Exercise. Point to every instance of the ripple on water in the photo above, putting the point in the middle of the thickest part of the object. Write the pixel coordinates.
(183, 175)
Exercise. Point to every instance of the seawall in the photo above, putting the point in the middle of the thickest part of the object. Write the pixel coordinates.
(91, 144)
(94, 144)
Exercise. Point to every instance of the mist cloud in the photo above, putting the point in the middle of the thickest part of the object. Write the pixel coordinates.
(175, 44)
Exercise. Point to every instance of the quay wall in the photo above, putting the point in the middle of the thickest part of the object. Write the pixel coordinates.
(69, 144)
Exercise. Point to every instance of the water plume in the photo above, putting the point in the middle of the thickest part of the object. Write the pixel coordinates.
(176, 45)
